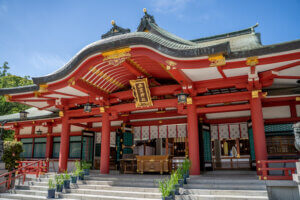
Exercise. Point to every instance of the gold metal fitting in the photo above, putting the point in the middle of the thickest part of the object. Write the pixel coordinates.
(252, 61)
(258, 161)
(144, 10)
(217, 60)
(189, 100)
(102, 109)
(61, 113)
(113, 22)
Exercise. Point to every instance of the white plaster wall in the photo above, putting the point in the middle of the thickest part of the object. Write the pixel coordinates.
(26, 130)
(276, 112)
(76, 128)
(298, 110)
(57, 128)
(42, 128)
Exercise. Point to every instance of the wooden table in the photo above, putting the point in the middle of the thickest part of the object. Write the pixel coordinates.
(153, 164)
(128, 165)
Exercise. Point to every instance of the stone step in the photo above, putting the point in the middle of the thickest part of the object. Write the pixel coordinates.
(225, 187)
(93, 187)
(225, 181)
(101, 197)
(84, 192)
(227, 192)
(133, 179)
(106, 183)
(220, 197)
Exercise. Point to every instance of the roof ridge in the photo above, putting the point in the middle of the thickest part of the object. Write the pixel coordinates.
(227, 35)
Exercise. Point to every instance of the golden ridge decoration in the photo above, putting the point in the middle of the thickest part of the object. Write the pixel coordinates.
(141, 92)
(217, 60)
(116, 57)
(252, 61)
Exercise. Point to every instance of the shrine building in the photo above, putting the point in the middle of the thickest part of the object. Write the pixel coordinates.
(142, 101)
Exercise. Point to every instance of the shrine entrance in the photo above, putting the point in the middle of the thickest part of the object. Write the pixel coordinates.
(227, 146)
(87, 147)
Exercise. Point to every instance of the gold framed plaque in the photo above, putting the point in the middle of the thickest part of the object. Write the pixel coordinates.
(141, 92)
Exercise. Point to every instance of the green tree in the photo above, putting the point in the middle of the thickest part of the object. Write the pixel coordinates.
(8, 80)
(11, 154)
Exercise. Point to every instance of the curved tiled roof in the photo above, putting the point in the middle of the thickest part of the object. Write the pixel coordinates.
(13, 90)
(137, 38)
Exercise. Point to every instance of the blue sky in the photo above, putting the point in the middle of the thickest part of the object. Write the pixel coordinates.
(38, 37)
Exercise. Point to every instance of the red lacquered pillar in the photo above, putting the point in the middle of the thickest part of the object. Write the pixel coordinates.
(105, 144)
(17, 133)
(259, 136)
(193, 138)
(64, 145)
(49, 143)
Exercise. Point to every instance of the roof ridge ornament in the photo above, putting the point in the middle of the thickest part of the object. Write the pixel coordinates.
(115, 30)
(145, 21)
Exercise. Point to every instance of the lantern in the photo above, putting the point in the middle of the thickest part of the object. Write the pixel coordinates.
(182, 97)
(87, 107)
(39, 132)
(23, 115)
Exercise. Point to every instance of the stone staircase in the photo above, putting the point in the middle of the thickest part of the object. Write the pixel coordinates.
(143, 187)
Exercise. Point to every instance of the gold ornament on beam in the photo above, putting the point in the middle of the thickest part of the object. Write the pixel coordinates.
(61, 113)
(217, 60)
(116, 57)
(189, 100)
(255, 93)
(102, 110)
(7, 97)
(43, 88)
(252, 61)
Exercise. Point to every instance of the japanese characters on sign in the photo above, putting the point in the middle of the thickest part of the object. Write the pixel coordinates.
(141, 92)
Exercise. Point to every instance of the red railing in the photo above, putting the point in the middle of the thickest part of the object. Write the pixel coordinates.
(286, 172)
(25, 167)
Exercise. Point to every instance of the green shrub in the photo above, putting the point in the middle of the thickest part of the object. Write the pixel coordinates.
(66, 176)
(51, 185)
(86, 165)
(164, 188)
(11, 154)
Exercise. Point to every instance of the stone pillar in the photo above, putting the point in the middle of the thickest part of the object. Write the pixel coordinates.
(64, 145)
(105, 144)
(259, 136)
(193, 138)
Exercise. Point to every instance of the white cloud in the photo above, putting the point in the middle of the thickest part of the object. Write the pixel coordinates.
(46, 62)
(168, 6)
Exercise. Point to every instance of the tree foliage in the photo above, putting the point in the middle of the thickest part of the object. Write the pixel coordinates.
(11, 154)
(8, 80)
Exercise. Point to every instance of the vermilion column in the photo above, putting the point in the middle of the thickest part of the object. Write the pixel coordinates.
(17, 133)
(193, 139)
(64, 145)
(259, 136)
(105, 144)
(49, 144)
